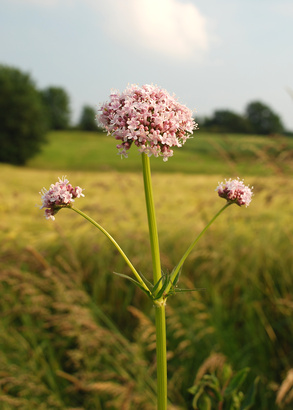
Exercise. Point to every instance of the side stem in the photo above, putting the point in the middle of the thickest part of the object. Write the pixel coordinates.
(182, 260)
(92, 221)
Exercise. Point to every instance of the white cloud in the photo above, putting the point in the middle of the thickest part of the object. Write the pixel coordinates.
(164, 27)
(169, 28)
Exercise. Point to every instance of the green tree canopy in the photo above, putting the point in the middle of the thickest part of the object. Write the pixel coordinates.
(23, 123)
(57, 103)
(227, 121)
(262, 119)
(87, 120)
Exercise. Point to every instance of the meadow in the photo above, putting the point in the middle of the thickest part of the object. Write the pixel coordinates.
(76, 336)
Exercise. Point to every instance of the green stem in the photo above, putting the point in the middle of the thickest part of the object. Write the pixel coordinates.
(161, 357)
(153, 231)
(136, 274)
(182, 260)
(160, 304)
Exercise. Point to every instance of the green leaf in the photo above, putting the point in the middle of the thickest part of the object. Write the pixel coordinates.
(198, 393)
(150, 285)
(161, 291)
(157, 285)
(226, 373)
(236, 381)
(212, 385)
(178, 290)
(250, 396)
(133, 281)
(174, 282)
(206, 403)
(192, 389)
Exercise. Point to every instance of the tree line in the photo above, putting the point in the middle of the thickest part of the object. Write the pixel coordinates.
(258, 118)
(27, 114)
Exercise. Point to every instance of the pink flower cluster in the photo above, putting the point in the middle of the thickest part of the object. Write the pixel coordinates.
(60, 195)
(235, 192)
(148, 117)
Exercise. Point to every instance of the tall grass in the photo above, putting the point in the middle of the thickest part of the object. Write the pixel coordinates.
(75, 336)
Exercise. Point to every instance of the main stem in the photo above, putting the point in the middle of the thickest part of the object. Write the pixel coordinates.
(160, 306)
(153, 230)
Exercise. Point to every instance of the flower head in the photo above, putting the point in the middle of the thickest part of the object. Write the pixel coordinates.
(235, 192)
(148, 117)
(60, 195)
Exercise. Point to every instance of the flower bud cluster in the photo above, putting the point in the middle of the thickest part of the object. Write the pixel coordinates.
(60, 195)
(148, 117)
(235, 192)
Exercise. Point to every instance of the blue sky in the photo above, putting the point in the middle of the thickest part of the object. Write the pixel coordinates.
(211, 54)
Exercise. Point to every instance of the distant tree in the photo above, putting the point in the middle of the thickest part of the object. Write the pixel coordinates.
(57, 103)
(262, 119)
(87, 120)
(23, 124)
(227, 121)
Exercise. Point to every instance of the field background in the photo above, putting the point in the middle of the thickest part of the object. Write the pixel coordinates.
(75, 336)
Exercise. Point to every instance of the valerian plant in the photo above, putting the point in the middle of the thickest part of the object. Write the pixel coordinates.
(149, 118)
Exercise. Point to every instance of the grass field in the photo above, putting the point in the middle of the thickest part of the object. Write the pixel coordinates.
(206, 154)
(74, 336)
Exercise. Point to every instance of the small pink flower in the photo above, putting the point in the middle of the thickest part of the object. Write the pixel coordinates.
(235, 192)
(60, 195)
(148, 117)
